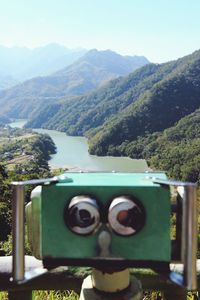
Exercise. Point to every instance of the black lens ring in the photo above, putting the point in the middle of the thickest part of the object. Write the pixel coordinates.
(89, 200)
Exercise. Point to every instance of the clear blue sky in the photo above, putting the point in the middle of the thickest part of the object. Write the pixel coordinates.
(161, 30)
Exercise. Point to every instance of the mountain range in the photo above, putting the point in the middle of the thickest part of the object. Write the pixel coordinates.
(87, 73)
(139, 100)
(18, 64)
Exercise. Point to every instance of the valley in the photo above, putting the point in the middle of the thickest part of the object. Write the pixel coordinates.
(150, 113)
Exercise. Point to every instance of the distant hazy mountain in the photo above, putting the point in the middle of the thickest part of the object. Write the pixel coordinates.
(111, 61)
(7, 81)
(90, 71)
(23, 63)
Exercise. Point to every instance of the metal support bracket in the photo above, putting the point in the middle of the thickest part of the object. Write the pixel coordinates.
(187, 192)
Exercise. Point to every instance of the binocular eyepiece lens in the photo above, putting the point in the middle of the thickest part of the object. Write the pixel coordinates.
(82, 215)
(126, 216)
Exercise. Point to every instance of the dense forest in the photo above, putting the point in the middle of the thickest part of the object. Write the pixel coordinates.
(157, 108)
(176, 149)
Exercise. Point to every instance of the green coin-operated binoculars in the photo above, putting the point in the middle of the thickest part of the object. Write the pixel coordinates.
(108, 221)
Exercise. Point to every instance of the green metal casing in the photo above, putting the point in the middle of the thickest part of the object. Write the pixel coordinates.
(51, 238)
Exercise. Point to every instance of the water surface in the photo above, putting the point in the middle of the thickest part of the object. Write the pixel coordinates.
(73, 152)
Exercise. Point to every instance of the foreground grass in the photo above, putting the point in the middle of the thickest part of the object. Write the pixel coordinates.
(70, 295)
(53, 295)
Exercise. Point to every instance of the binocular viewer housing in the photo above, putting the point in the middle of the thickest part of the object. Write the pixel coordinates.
(101, 219)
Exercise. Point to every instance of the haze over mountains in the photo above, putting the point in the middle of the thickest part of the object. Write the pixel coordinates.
(18, 64)
(87, 73)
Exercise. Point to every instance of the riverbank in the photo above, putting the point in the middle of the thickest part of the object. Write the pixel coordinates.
(66, 168)
(72, 153)
(24, 151)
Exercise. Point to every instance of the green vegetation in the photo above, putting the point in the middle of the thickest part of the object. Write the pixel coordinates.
(51, 295)
(55, 295)
(162, 126)
(77, 115)
(156, 109)
(70, 295)
(176, 149)
(25, 152)
(24, 156)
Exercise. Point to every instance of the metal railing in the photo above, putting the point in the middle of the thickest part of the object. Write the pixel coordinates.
(62, 279)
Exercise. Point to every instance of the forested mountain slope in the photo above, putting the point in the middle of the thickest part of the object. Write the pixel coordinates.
(176, 149)
(78, 115)
(89, 72)
(82, 111)
(157, 108)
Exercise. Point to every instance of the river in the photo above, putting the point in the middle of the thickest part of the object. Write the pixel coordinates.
(72, 152)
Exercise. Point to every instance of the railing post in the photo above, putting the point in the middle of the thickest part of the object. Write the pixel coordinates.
(18, 232)
(18, 225)
(189, 237)
(187, 191)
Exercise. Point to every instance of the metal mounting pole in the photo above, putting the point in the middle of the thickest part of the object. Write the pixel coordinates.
(101, 285)
(189, 237)
(187, 191)
(18, 232)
